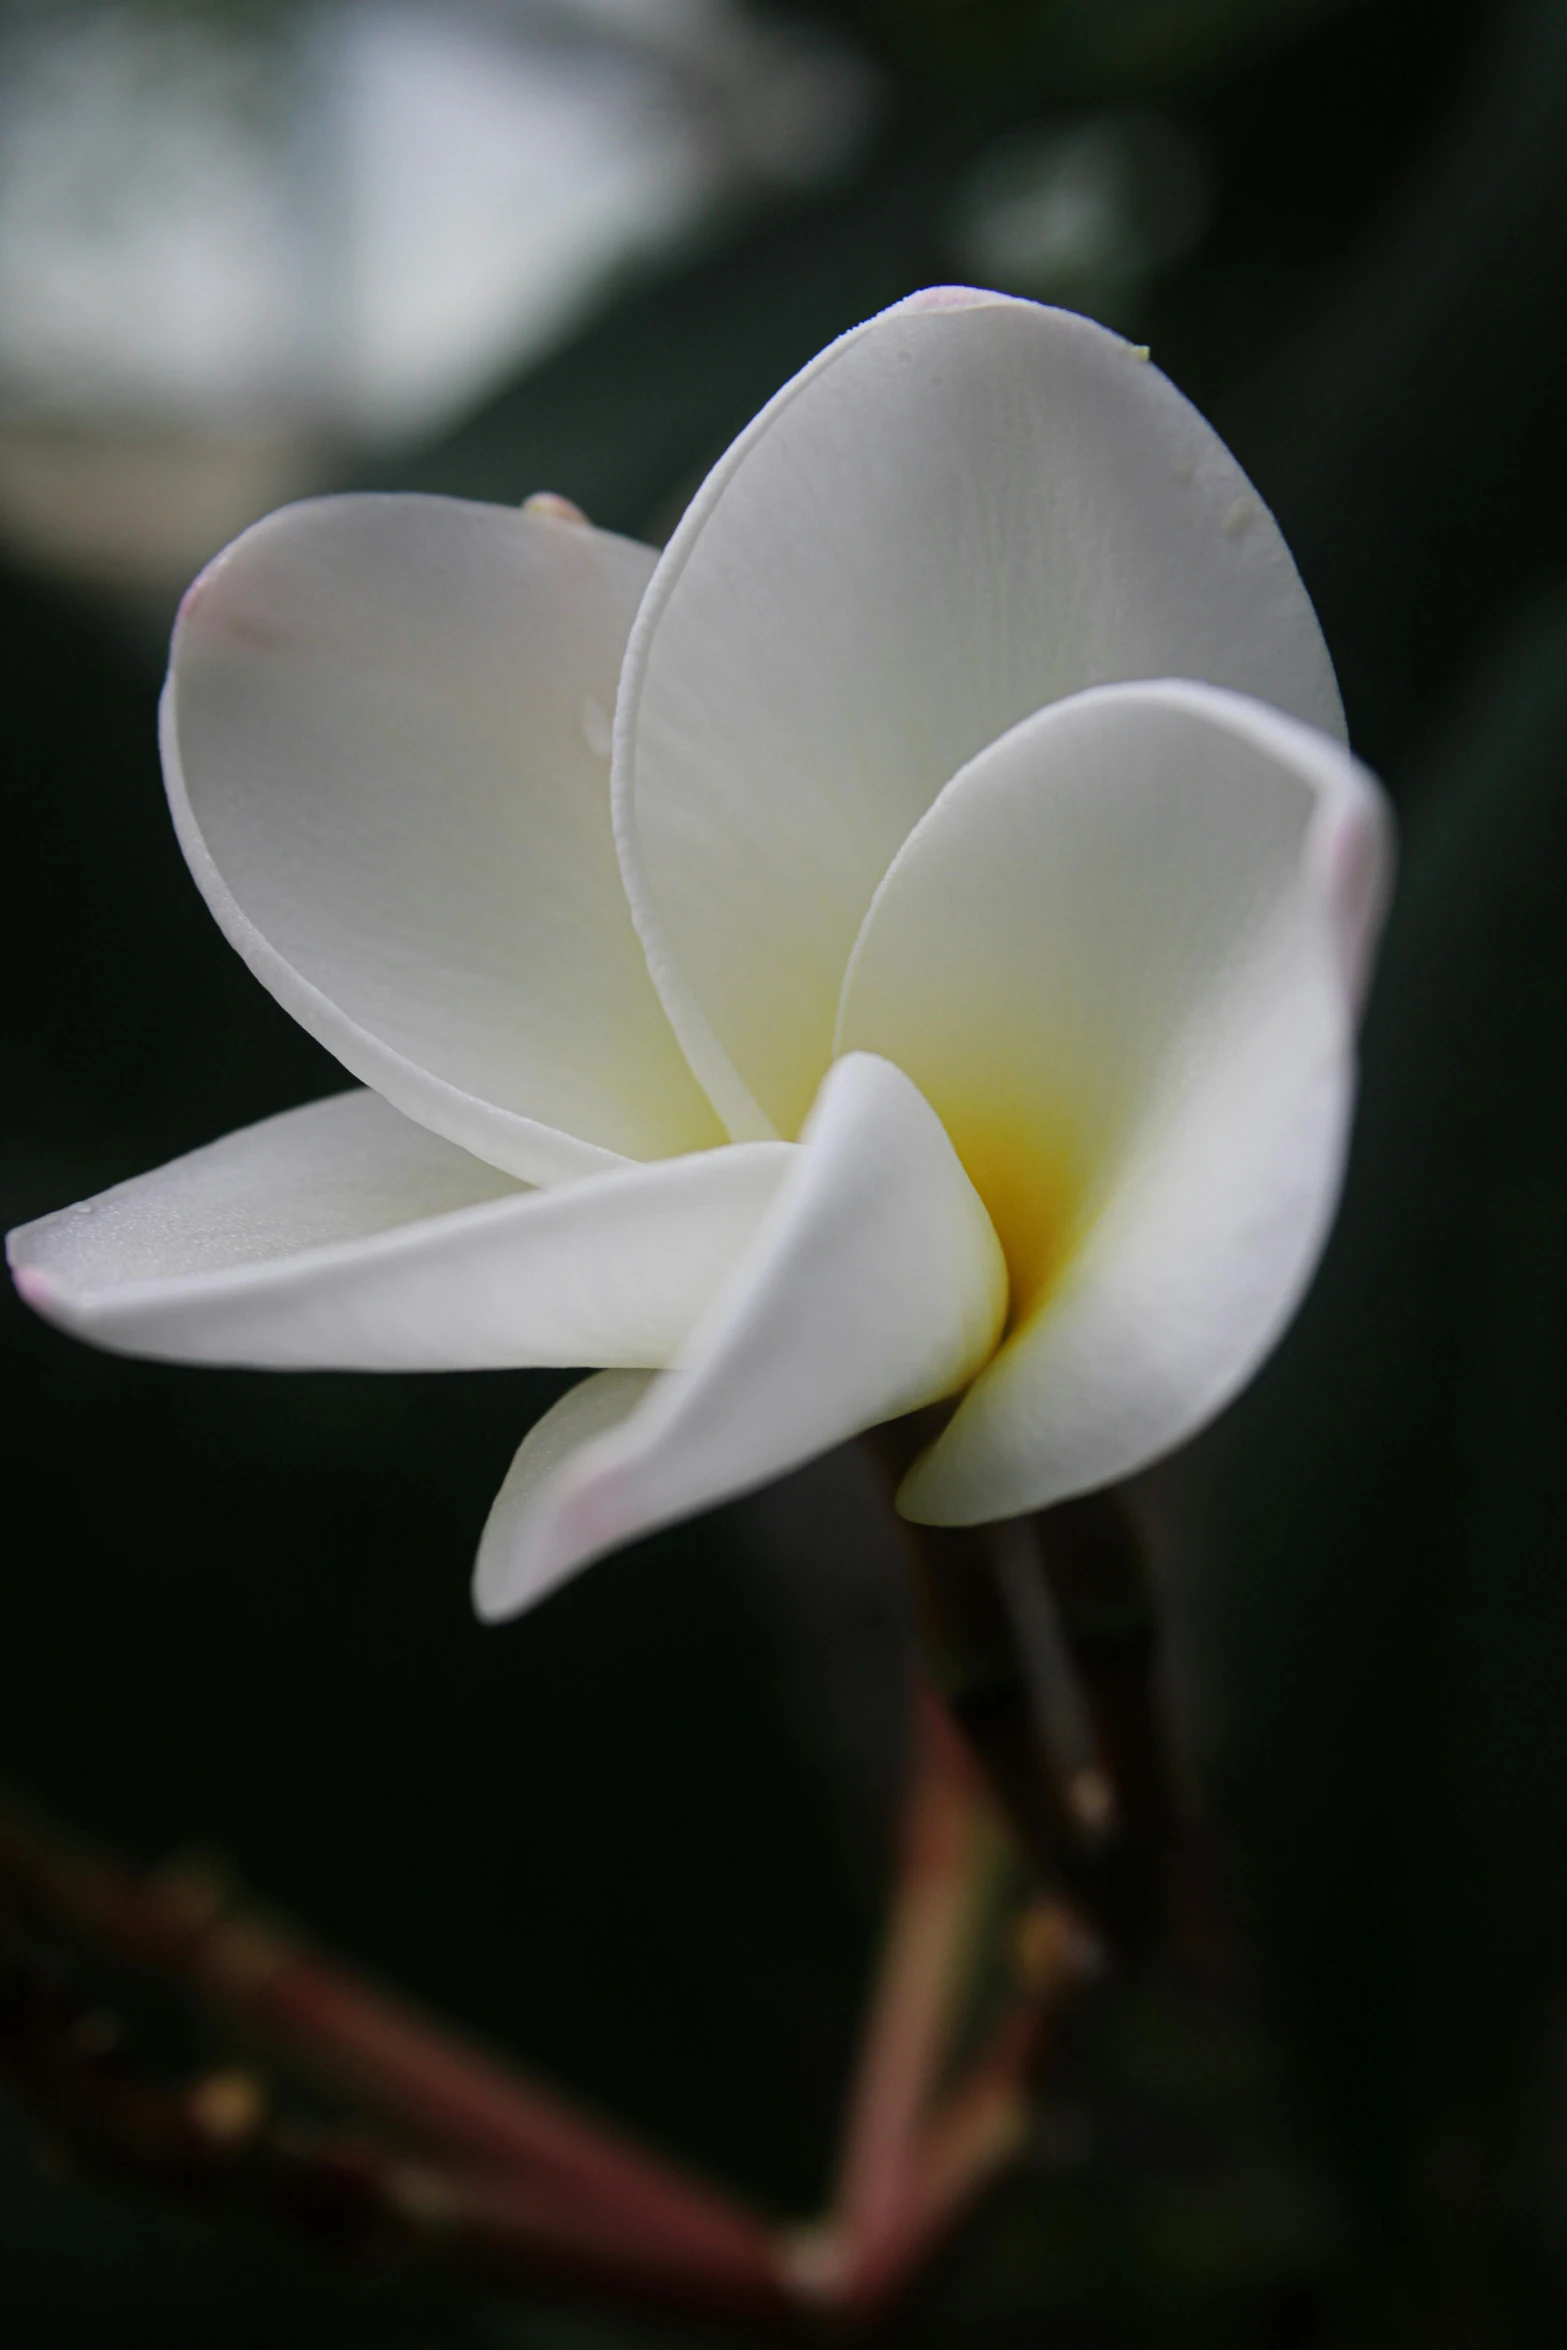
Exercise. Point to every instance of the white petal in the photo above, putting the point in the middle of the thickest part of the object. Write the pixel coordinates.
(874, 1285)
(385, 738)
(1118, 957)
(965, 509)
(592, 1408)
(344, 1236)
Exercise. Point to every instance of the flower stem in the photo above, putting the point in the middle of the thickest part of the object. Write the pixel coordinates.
(1091, 1555)
(1093, 1558)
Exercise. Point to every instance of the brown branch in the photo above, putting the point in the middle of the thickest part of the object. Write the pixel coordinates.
(925, 1953)
(217, 2143)
(473, 2165)
(344, 2033)
(981, 2125)
(501, 2182)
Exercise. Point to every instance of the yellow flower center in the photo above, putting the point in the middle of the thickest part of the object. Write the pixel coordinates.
(1031, 1172)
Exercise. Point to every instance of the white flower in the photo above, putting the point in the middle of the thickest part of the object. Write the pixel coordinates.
(958, 1001)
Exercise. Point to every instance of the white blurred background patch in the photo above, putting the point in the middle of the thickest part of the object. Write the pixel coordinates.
(237, 241)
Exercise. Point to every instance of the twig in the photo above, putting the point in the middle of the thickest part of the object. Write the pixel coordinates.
(983, 2123)
(924, 1962)
(500, 2181)
(1118, 1869)
(1093, 1560)
(471, 2163)
(976, 1662)
(216, 2142)
(970, 1649)
(392, 2062)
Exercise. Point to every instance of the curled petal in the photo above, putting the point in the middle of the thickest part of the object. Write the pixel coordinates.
(343, 1236)
(873, 1285)
(386, 737)
(1119, 957)
(595, 1407)
(966, 509)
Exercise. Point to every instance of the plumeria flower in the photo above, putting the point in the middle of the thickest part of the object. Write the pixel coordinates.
(900, 946)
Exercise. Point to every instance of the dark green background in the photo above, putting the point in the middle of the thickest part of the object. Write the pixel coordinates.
(639, 1837)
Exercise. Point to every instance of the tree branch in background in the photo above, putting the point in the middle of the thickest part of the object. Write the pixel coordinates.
(448, 2155)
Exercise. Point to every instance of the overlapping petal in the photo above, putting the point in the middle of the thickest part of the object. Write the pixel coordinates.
(1119, 957)
(344, 1236)
(386, 736)
(874, 1285)
(965, 509)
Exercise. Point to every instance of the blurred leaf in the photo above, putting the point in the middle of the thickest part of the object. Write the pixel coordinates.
(1408, 431)
(1077, 50)
(1396, 1542)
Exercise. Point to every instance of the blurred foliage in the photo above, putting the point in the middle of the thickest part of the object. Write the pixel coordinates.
(1398, 1527)
(1071, 49)
(234, 1610)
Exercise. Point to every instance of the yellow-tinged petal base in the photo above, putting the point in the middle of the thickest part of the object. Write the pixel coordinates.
(1034, 1176)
